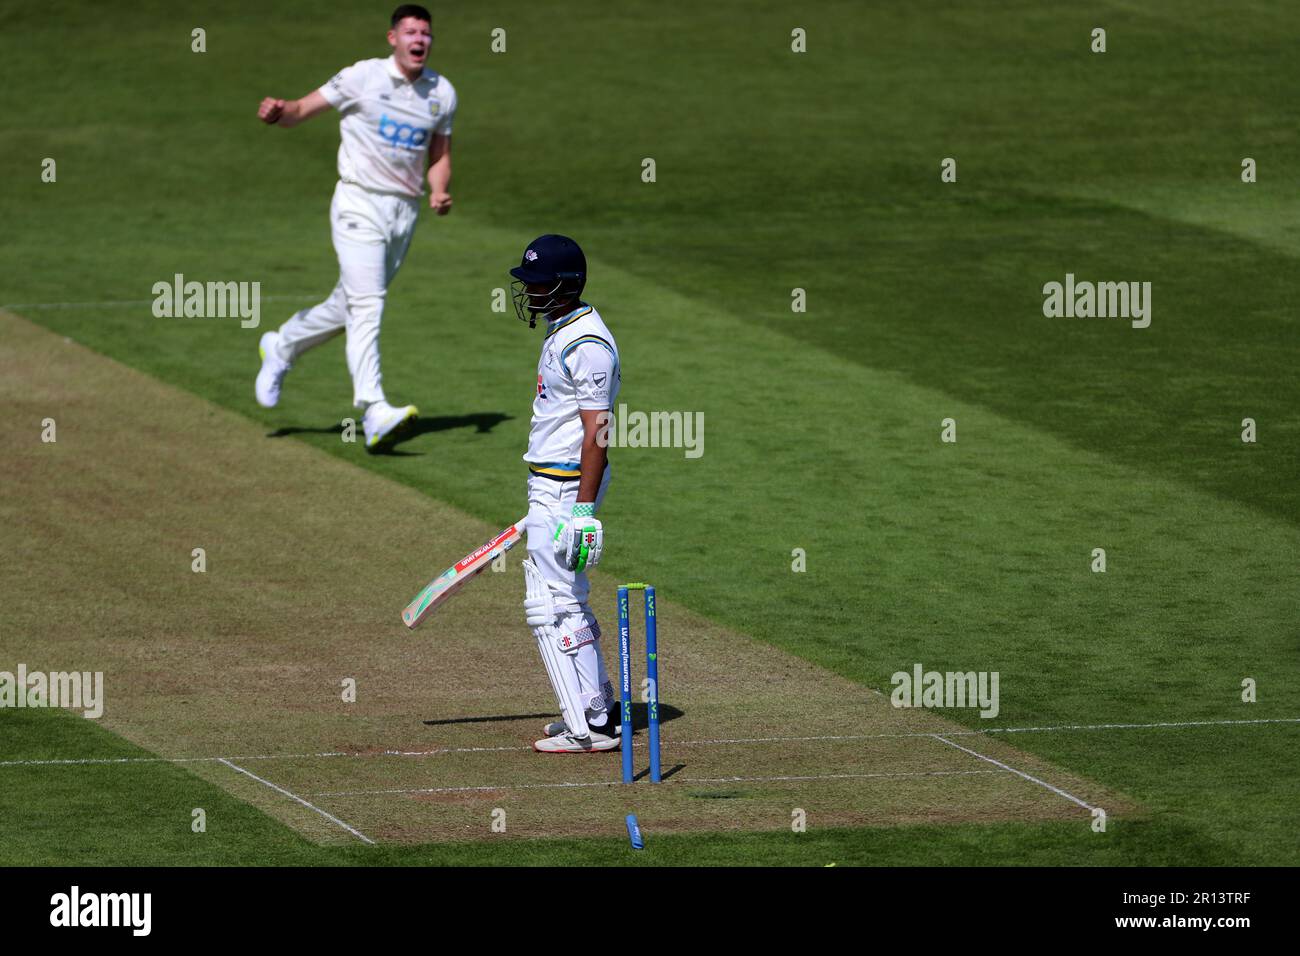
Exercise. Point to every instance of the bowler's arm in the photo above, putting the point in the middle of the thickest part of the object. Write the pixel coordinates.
(276, 112)
(594, 453)
(439, 175)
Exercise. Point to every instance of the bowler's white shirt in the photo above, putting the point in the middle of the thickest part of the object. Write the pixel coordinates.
(386, 122)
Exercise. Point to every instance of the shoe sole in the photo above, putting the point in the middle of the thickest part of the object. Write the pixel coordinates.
(397, 433)
(593, 750)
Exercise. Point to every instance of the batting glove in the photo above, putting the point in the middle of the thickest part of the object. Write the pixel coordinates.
(580, 541)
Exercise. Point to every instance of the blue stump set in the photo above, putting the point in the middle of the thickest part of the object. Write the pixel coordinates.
(625, 677)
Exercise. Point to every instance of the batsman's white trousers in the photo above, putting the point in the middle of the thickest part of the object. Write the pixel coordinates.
(582, 674)
(549, 503)
(371, 233)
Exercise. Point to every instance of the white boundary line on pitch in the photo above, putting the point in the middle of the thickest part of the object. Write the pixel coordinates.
(293, 796)
(668, 740)
(1019, 773)
(613, 783)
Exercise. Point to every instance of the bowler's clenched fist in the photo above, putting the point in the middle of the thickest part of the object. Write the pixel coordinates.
(271, 110)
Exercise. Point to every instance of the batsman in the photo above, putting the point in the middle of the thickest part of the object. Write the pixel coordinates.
(568, 464)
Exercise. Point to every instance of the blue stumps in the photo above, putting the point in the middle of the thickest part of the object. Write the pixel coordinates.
(652, 675)
(652, 678)
(634, 832)
(625, 683)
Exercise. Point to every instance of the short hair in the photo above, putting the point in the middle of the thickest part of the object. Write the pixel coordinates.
(411, 10)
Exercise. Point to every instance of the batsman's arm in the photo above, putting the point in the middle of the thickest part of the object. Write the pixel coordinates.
(594, 453)
(439, 174)
(276, 112)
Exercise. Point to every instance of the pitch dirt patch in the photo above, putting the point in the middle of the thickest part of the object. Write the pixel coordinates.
(309, 562)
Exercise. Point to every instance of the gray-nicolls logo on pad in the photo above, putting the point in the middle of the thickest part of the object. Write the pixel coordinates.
(75, 909)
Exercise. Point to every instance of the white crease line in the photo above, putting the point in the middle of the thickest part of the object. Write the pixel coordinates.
(612, 783)
(667, 740)
(978, 733)
(839, 776)
(98, 760)
(293, 796)
(1019, 773)
(249, 757)
(110, 760)
(1181, 723)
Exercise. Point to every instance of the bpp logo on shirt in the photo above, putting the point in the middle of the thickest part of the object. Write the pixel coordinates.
(402, 134)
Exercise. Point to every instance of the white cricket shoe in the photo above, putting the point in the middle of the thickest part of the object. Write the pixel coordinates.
(566, 743)
(385, 425)
(267, 387)
(612, 728)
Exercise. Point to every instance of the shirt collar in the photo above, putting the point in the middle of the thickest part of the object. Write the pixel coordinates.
(395, 72)
(576, 313)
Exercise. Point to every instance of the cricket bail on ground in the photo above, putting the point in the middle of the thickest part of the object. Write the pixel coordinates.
(625, 679)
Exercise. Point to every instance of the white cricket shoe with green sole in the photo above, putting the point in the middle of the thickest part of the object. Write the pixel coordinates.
(272, 372)
(385, 425)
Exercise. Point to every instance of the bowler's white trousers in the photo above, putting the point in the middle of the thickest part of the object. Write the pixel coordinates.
(371, 233)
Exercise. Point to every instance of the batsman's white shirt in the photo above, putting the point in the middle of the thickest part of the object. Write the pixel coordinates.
(578, 370)
(386, 123)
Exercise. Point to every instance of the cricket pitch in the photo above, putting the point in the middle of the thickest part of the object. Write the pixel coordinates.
(240, 670)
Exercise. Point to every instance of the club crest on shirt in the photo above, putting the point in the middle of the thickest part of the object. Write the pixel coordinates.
(435, 107)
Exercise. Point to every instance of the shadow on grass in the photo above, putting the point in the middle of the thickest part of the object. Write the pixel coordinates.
(481, 422)
(640, 718)
(489, 720)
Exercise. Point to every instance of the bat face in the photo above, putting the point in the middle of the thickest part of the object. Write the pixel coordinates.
(441, 588)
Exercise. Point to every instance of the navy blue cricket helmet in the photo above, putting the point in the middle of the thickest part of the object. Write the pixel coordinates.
(556, 270)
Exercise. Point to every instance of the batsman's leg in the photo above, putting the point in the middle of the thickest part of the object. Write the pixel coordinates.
(564, 678)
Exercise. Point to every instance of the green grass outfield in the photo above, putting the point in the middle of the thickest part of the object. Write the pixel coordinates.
(774, 171)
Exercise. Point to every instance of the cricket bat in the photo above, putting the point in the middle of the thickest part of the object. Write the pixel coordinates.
(441, 588)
